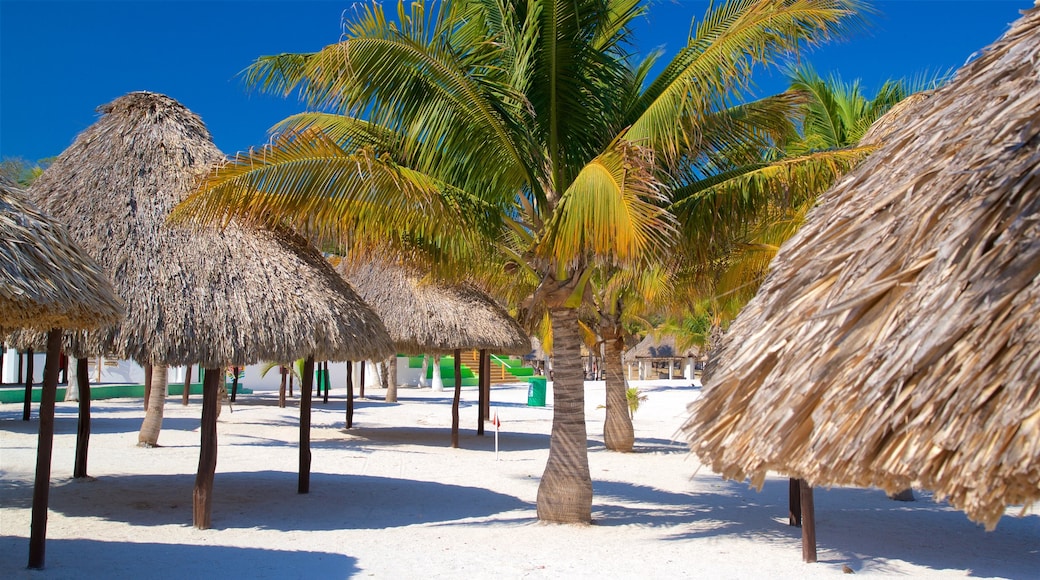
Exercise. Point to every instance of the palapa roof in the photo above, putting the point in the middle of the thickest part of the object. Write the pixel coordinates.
(212, 297)
(660, 346)
(46, 280)
(425, 317)
(895, 339)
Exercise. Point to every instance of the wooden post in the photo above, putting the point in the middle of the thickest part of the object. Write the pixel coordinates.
(350, 394)
(305, 425)
(487, 385)
(325, 381)
(44, 448)
(808, 523)
(64, 368)
(187, 386)
(291, 381)
(234, 383)
(794, 503)
(482, 374)
(83, 424)
(455, 402)
(28, 384)
(18, 381)
(361, 380)
(147, 385)
(202, 497)
(281, 386)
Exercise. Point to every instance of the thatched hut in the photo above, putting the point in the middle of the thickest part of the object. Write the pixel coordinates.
(47, 283)
(424, 317)
(213, 297)
(661, 348)
(895, 342)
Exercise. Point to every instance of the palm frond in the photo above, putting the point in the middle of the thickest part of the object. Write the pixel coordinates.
(610, 214)
(718, 60)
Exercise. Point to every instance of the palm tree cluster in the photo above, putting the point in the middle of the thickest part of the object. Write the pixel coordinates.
(522, 143)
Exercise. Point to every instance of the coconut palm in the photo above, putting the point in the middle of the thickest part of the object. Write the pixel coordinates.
(832, 120)
(516, 133)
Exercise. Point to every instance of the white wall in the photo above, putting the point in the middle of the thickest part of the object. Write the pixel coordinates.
(122, 372)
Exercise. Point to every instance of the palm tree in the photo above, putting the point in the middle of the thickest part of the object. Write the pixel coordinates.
(832, 119)
(517, 134)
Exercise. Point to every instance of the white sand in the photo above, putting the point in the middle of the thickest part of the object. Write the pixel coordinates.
(391, 499)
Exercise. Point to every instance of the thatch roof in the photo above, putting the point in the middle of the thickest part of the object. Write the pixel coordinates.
(434, 318)
(889, 123)
(213, 297)
(661, 346)
(46, 280)
(895, 339)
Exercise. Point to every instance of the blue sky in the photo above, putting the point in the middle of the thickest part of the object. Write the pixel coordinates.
(60, 60)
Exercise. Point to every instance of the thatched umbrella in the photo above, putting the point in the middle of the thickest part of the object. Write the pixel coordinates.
(660, 347)
(232, 296)
(46, 283)
(895, 339)
(424, 317)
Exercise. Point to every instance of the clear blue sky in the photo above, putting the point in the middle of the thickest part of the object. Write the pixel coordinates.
(60, 60)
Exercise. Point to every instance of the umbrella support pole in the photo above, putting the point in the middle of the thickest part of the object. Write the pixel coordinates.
(482, 375)
(305, 425)
(44, 448)
(794, 503)
(28, 384)
(83, 423)
(808, 522)
(350, 394)
(202, 496)
(455, 401)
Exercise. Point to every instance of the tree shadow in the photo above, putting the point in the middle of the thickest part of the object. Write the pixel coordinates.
(83, 558)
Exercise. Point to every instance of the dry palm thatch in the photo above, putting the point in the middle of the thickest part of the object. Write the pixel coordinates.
(892, 120)
(212, 297)
(430, 318)
(895, 340)
(663, 346)
(46, 280)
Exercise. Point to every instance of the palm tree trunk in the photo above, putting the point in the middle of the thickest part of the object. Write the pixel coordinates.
(83, 424)
(44, 448)
(618, 434)
(149, 435)
(422, 371)
(202, 495)
(565, 491)
(147, 385)
(391, 378)
(71, 382)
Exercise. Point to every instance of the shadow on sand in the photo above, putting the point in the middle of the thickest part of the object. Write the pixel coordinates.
(919, 532)
(268, 500)
(81, 558)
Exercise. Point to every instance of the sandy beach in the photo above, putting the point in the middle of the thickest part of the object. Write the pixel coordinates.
(390, 499)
